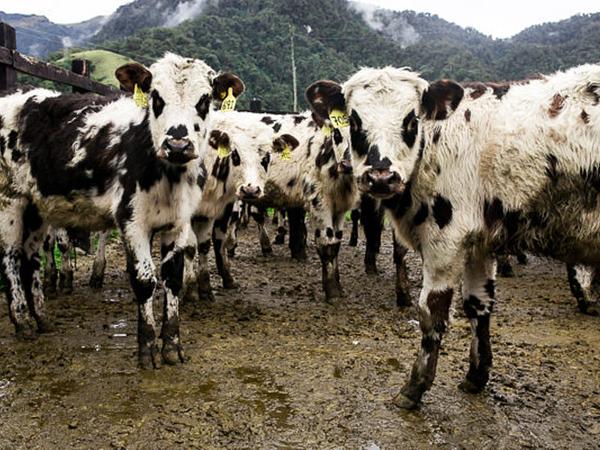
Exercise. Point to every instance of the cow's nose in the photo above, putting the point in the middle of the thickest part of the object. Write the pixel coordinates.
(250, 192)
(345, 166)
(178, 145)
(383, 182)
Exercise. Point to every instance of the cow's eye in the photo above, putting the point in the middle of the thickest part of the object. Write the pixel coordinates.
(235, 158)
(158, 104)
(202, 106)
(265, 161)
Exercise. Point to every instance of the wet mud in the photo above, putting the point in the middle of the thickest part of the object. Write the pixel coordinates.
(272, 365)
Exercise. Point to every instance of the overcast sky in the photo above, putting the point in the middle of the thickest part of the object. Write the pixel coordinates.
(499, 19)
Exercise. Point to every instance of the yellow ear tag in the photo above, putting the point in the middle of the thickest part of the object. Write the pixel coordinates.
(228, 101)
(339, 119)
(327, 130)
(286, 154)
(223, 151)
(139, 97)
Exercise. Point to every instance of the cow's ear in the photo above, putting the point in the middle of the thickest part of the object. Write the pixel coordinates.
(131, 74)
(283, 141)
(323, 96)
(222, 82)
(441, 99)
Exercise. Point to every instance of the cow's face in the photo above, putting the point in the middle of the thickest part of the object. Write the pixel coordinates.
(181, 93)
(239, 164)
(385, 107)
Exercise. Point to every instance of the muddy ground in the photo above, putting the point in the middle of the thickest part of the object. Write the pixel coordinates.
(273, 366)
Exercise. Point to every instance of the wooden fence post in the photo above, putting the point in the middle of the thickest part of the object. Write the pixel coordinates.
(80, 67)
(8, 39)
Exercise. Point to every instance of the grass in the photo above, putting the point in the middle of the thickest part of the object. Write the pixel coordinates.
(104, 64)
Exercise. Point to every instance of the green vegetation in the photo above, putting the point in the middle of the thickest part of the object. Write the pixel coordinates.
(103, 64)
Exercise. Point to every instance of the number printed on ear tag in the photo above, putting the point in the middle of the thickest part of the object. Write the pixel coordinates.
(139, 97)
(223, 152)
(229, 101)
(339, 119)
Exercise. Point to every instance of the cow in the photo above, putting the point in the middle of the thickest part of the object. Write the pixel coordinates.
(237, 161)
(309, 171)
(89, 162)
(466, 173)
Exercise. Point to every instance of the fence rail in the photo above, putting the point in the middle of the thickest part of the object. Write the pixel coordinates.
(11, 62)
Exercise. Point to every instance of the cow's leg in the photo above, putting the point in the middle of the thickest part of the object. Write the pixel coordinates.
(521, 258)
(505, 268)
(479, 296)
(580, 282)
(355, 216)
(244, 215)
(222, 259)
(402, 284)
(99, 265)
(439, 278)
(202, 230)
(143, 282)
(50, 270)
(259, 214)
(371, 216)
(232, 230)
(171, 272)
(65, 280)
(328, 234)
(282, 227)
(17, 219)
(297, 241)
(191, 269)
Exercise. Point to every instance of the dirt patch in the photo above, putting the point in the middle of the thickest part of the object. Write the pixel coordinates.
(271, 365)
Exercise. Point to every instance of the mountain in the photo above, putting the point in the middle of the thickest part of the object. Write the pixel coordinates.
(37, 36)
(332, 39)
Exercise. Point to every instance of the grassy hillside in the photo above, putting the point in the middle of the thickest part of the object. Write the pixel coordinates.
(103, 64)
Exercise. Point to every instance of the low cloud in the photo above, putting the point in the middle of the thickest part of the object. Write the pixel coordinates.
(185, 11)
(390, 23)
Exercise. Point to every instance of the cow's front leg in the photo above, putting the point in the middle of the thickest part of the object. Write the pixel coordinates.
(403, 297)
(297, 241)
(202, 230)
(171, 272)
(281, 227)
(371, 216)
(65, 280)
(328, 235)
(433, 308)
(580, 281)
(143, 282)
(99, 265)
(355, 217)
(479, 296)
(259, 214)
(219, 236)
(505, 267)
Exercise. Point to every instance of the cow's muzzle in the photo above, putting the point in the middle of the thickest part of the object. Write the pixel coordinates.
(249, 193)
(381, 183)
(177, 151)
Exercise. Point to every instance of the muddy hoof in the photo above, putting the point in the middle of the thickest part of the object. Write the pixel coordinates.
(279, 240)
(470, 386)
(299, 256)
(96, 283)
(353, 242)
(206, 296)
(267, 252)
(588, 310)
(25, 331)
(148, 357)
(230, 284)
(44, 325)
(172, 354)
(403, 300)
(371, 269)
(506, 271)
(403, 402)
(231, 253)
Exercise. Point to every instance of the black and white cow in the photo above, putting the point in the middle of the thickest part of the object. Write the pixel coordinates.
(466, 173)
(89, 162)
(237, 162)
(309, 171)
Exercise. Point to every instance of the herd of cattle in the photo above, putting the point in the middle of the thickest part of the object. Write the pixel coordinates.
(464, 173)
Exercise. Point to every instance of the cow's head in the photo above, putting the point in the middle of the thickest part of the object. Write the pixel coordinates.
(385, 107)
(181, 93)
(330, 114)
(239, 163)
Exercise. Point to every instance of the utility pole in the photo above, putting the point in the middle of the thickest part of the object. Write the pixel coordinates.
(293, 68)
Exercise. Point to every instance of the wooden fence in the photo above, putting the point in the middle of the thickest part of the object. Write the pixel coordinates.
(11, 62)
